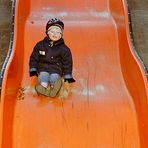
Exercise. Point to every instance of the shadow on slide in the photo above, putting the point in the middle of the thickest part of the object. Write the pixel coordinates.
(107, 107)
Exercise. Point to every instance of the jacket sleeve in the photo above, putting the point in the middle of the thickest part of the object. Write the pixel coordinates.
(67, 63)
(34, 58)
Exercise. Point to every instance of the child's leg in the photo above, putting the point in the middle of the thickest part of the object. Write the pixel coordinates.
(41, 88)
(55, 83)
(44, 78)
(53, 77)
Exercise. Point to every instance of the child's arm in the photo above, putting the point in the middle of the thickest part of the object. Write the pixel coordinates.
(34, 58)
(67, 65)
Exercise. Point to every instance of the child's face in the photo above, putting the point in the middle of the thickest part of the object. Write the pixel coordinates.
(54, 33)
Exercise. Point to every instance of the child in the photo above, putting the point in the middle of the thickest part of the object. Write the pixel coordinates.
(51, 59)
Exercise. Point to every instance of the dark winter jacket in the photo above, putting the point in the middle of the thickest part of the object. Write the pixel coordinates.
(52, 58)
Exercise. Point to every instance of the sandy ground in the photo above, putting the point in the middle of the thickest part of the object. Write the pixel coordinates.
(139, 17)
(5, 29)
(139, 14)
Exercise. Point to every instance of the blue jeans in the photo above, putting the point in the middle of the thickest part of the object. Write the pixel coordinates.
(45, 78)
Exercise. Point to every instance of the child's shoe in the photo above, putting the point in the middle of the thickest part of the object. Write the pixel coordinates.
(55, 88)
(42, 90)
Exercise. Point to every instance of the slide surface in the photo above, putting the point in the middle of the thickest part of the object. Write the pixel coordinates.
(106, 107)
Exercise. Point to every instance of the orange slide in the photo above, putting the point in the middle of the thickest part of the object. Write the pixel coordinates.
(107, 107)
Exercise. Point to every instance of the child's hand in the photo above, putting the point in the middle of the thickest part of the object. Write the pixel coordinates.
(69, 80)
(33, 73)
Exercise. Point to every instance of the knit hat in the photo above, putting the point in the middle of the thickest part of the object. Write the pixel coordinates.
(54, 22)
